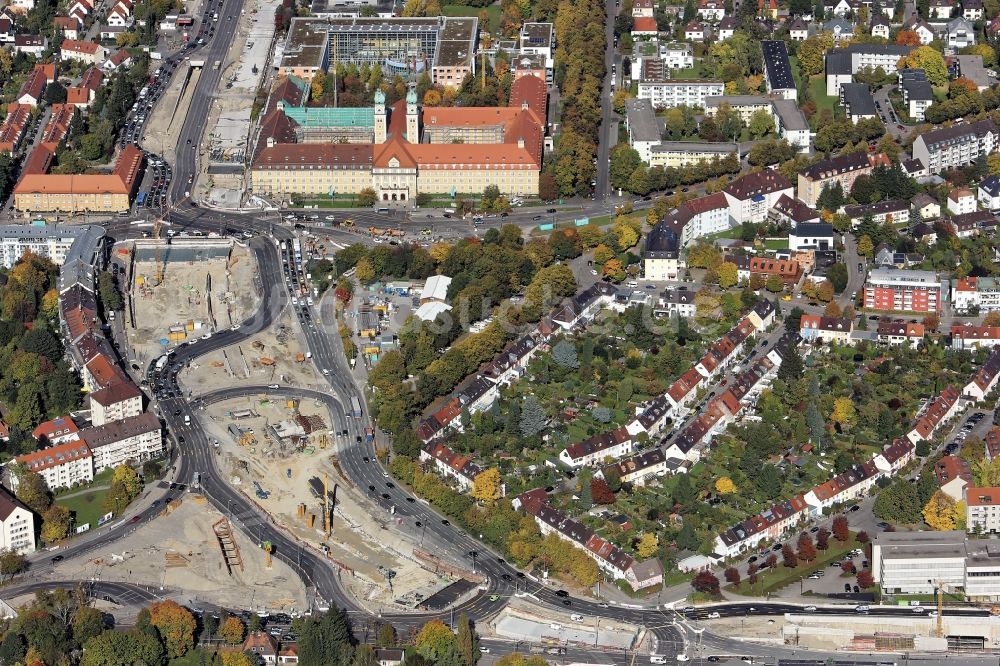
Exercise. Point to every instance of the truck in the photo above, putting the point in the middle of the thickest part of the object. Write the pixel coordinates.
(355, 407)
(369, 435)
(161, 362)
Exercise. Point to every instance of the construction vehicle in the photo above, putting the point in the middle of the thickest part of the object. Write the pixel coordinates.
(300, 357)
(347, 223)
(399, 233)
(261, 493)
(376, 231)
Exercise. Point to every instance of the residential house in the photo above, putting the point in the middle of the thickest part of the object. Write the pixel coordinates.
(17, 524)
(822, 329)
(694, 32)
(263, 646)
(34, 45)
(451, 465)
(596, 449)
(972, 10)
(843, 169)
(940, 9)
(958, 145)
(89, 52)
(969, 336)
(132, 440)
(899, 332)
(661, 257)
(15, 126)
(892, 211)
(985, 378)
(62, 465)
(798, 30)
(953, 476)
(793, 212)
(927, 207)
(879, 26)
(751, 196)
(961, 201)
(726, 28)
(638, 469)
(711, 10)
(68, 26)
(989, 193)
(935, 414)
(916, 92)
(778, 70)
(811, 235)
(960, 33)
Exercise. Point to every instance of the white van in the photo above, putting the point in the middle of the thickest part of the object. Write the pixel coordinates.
(657, 659)
(633, 284)
(576, 617)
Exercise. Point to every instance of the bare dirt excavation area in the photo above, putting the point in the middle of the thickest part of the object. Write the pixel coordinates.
(181, 550)
(286, 449)
(186, 289)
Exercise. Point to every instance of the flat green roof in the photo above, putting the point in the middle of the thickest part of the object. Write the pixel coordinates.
(332, 117)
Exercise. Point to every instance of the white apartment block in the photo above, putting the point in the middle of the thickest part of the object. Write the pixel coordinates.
(135, 439)
(690, 92)
(62, 465)
(958, 145)
(51, 241)
(982, 510)
(17, 524)
(975, 292)
(116, 402)
(677, 56)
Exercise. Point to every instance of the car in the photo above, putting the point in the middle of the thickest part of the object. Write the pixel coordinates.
(854, 508)
(863, 608)
(753, 558)
(814, 529)
(507, 577)
(445, 521)
(776, 547)
(918, 609)
(562, 593)
(688, 610)
(325, 371)
(135, 519)
(932, 614)
(713, 615)
(567, 602)
(494, 597)
(809, 609)
(550, 210)
(366, 459)
(57, 558)
(683, 657)
(410, 500)
(385, 495)
(813, 577)
(536, 218)
(483, 648)
(273, 386)
(847, 587)
(389, 484)
(371, 488)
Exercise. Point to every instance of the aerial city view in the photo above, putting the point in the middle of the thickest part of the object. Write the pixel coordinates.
(499, 332)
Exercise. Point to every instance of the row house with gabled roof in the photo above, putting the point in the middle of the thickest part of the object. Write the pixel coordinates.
(985, 378)
(935, 414)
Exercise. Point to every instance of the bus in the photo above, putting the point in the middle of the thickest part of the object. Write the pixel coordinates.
(356, 407)
(141, 199)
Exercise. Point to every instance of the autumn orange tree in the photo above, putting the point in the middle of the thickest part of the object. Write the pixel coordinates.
(175, 624)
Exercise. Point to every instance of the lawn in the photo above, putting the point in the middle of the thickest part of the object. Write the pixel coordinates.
(817, 86)
(87, 505)
(493, 11)
(771, 580)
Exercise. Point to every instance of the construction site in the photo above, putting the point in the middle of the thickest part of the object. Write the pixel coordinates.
(275, 355)
(282, 455)
(194, 549)
(184, 288)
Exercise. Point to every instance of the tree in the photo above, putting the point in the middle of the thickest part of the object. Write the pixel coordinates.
(648, 545)
(733, 576)
(908, 38)
(532, 417)
(11, 563)
(176, 626)
(774, 284)
(863, 537)
(40, 341)
(487, 485)
(466, 641)
(847, 566)
(548, 189)
(790, 560)
(841, 529)
(807, 550)
(928, 59)
(898, 503)
(823, 539)
(55, 523)
(601, 491)
(865, 579)
(727, 272)
(761, 124)
(125, 487)
(832, 197)
(239, 658)
(791, 366)
(939, 513)
(837, 275)
(87, 623)
(707, 583)
(232, 630)
(844, 413)
(32, 489)
(866, 247)
(210, 624)
(367, 197)
(120, 648)
(434, 640)
(564, 354)
(725, 486)
(623, 162)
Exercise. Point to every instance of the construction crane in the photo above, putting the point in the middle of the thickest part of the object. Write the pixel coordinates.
(326, 505)
(159, 266)
(268, 549)
(939, 588)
